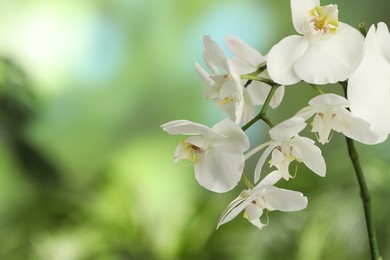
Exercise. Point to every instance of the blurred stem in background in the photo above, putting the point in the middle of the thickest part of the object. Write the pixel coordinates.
(18, 107)
(364, 193)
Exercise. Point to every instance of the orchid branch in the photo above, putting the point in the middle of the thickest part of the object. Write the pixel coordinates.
(263, 112)
(364, 193)
(257, 78)
(317, 89)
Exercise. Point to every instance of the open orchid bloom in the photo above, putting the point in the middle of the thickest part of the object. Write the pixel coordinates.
(287, 146)
(217, 153)
(247, 60)
(369, 86)
(233, 95)
(265, 196)
(331, 113)
(327, 51)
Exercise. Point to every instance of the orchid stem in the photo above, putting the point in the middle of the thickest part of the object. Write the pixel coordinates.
(365, 196)
(262, 114)
(254, 77)
(364, 193)
(317, 89)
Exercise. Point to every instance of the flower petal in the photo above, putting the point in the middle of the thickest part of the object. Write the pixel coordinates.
(329, 100)
(284, 200)
(372, 103)
(204, 76)
(234, 133)
(232, 100)
(219, 168)
(214, 54)
(287, 129)
(305, 151)
(258, 92)
(244, 51)
(282, 58)
(248, 111)
(197, 140)
(257, 223)
(331, 59)
(253, 212)
(299, 11)
(306, 112)
(354, 127)
(234, 208)
(262, 159)
(269, 180)
(186, 127)
(278, 97)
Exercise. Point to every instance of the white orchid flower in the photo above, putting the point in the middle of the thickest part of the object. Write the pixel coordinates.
(233, 95)
(369, 86)
(264, 196)
(217, 153)
(247, 60)
(327, 51)
(331, 113)
(287, 146)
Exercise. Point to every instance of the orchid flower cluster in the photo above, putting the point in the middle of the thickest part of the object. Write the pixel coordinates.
(326, 51)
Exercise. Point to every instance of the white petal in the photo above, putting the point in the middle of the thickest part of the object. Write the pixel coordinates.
(234, 208)
(253, 212)
(300, 13)
(204, 76)
(183, 152)
(242, 67)
(305, 151)
(282, 58)
(186, 127)
(262, 159)
(377, 41)
(331, 59)
(214, 54)
(354, 127)
(197, 140)
(234, 107)
(369, 86)
(267, 181)
(277, 157)
(282, 163)
(322, 127)
(248, 111)
(256, 149)
(214, 69)
(284, 200)
(287, 129)
(257, 223)
(329, 100)
(245, 52)
(306, 112)
(219, 169)
(371, 103)
(234, 134)
(278, 97)
(258, 92)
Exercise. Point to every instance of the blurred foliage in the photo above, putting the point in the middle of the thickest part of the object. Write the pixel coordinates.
(85, 171)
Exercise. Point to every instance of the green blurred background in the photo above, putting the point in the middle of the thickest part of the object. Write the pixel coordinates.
(86, 172)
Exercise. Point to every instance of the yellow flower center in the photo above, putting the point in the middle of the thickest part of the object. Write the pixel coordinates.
(325, 18)
(226, 100)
